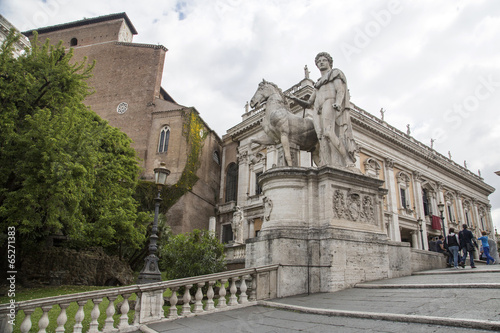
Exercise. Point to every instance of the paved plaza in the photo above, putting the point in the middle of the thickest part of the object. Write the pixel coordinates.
(444, 300)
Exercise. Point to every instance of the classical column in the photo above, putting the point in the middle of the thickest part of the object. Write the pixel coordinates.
(489, 222)
(414, 239)
(475, 214)
(419, 206)
(461, 217)
(251, 228)
(243, 176)
(441, 199)
(392, 200)
(212, 223)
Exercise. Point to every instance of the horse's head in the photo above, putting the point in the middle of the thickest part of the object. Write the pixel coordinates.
(263, 92)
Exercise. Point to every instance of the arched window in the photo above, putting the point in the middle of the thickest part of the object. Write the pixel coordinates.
(164, 137)
(231, 182)
(216, 157)
(73, 42)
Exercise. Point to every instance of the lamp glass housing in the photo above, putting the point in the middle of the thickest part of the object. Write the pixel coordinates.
(441, 207)
(161, 175)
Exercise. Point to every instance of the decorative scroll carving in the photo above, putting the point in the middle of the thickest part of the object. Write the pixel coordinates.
(389, 162)
(242, 157)
(372, 168)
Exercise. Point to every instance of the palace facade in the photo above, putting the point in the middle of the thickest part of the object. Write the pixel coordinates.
(419, 181)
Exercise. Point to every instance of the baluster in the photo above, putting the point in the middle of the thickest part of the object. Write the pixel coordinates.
(172, 312)
(162, 312)
(110, 311)
(44, 321)
(5, 324)
(94, 315)
(62, 318)
(124, 312)
(233, 300)
(186, 307)
(137, 315)
(26, 324)
(198, 305)
(210, 296)
(222, 294)
(253, 291)
(243, 291)
(79, 316)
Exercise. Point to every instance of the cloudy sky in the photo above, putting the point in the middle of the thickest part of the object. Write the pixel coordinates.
(432, 64)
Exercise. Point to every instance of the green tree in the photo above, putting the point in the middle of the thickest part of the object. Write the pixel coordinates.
(62, 168)
(191, 254)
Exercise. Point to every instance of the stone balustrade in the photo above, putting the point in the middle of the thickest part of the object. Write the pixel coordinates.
(236, 288)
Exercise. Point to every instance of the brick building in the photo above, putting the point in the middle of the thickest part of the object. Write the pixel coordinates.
(128, 94)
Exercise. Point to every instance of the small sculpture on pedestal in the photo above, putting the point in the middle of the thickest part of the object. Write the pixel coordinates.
(237, 224)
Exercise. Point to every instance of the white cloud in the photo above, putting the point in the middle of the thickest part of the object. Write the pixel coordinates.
(418, 62)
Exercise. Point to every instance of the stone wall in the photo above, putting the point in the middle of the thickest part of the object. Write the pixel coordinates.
(426, 260)
(62, 266)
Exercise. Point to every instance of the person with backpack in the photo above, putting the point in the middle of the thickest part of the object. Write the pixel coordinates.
(486, 248)
(453, 244)
(466, 243)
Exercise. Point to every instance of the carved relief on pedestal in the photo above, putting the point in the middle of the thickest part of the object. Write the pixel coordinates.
(354, 207)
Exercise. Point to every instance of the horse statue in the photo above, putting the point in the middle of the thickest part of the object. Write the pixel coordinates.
(281, 125)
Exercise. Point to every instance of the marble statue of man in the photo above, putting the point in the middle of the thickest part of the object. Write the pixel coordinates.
(237, 225)
(332, 120)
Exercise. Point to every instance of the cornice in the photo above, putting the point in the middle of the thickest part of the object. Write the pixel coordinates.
(408, 145)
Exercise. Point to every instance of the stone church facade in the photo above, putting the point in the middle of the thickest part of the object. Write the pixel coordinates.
(128, 94)
(417, 178)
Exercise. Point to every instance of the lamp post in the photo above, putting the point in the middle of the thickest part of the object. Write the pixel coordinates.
(441, 209)
(421, 233)
(151, 272)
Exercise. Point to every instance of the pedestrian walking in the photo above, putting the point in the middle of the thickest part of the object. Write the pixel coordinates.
(453, 243)
(486, 248)
(468, 245)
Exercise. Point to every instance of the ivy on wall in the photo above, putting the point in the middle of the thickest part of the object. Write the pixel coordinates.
(194, 132)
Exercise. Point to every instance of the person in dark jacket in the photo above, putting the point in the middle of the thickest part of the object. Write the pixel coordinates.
(467, 243)
(453, 245)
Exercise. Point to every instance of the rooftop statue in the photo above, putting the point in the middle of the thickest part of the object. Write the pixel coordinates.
(331, 115)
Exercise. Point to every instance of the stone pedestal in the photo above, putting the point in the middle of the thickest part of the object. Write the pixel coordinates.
(325, 228)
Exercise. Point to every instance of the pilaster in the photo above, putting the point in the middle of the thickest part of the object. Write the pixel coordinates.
(392, 200)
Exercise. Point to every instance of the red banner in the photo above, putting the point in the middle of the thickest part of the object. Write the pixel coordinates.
(436, 222)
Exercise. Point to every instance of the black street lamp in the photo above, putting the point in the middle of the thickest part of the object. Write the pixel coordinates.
(151, 272)
(421, 233)
(441, 209)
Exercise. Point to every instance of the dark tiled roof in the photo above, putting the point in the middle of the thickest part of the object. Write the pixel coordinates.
(83, 22)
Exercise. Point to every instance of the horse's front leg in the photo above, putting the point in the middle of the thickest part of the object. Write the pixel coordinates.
(286, 149)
